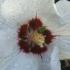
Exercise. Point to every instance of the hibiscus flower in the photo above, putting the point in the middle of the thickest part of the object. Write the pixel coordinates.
(13, 13)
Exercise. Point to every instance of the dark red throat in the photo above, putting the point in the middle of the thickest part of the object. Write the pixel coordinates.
(33, 24)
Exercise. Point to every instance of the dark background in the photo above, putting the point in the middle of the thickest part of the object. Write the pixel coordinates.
(56, 1)
(59, 0)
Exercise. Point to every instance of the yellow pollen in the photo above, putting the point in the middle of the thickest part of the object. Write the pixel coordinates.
(37, 38)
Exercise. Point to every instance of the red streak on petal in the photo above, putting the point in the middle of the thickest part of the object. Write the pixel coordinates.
(24, 46)
(49, 37)
(23, 30)
(35, 23)
(38, 50)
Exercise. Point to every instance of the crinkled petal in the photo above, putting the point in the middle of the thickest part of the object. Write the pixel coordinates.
(64, 47)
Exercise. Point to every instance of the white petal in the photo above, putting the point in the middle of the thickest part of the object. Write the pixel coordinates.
(24, 62)
(63, 43)
(63, 10)
(8, 41)
(53, 26)
(64, 30)
(15, 11)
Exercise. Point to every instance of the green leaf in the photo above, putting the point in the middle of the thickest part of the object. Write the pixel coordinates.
(41, 29)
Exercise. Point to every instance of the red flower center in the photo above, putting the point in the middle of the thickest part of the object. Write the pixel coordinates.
(34, 37)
